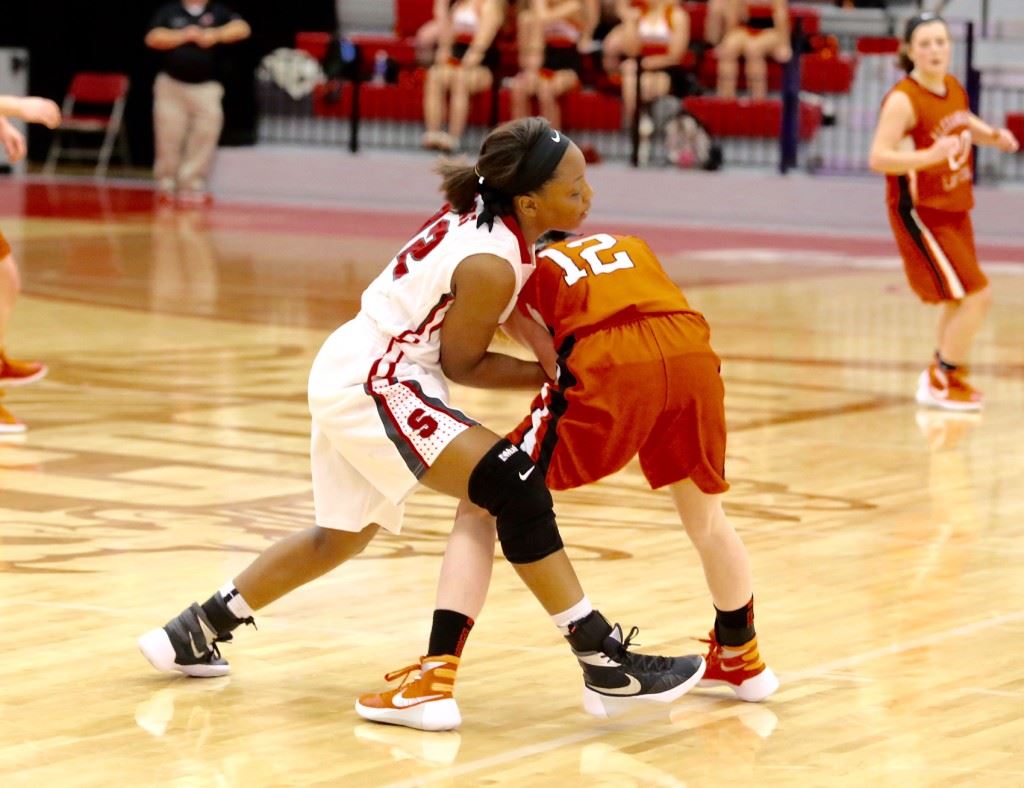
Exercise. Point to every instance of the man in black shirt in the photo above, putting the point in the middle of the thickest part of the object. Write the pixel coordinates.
(187, 113)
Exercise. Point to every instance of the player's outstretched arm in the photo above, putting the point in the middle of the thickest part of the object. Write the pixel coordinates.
(31, 109)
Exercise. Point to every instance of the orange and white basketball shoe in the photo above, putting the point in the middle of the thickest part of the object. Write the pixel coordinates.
(9, 425)
(947, 389)
(423, 700)
(740, 668)
(20, 373)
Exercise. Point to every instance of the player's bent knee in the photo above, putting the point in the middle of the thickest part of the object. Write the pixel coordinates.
(333, 546)
(508, 485)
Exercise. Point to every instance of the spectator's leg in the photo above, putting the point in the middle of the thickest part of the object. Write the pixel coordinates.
(613, 49)
(728, 55)
(170, 124)
(628, 70)
(201, 145)
(524, 85)
(560, 83)
(468, 83)
(437, 82)
(654, 85)
(758, 49)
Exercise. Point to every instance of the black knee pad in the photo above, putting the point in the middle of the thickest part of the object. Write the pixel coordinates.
(508, 485)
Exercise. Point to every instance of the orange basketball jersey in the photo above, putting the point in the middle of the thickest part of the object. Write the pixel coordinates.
(584, 283)
(946, 186)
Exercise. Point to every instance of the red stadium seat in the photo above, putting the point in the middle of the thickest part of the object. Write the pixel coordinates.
(400, 50)
(1015, 123)
(746, 118)
(411, 15)
(708, 74)
(332, 99)
(878, 45)
(313, 43)
(825, 72)
(697, 13)
(819, 73)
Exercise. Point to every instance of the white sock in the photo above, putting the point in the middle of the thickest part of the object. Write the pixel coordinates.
(236, 603)
(581, 609)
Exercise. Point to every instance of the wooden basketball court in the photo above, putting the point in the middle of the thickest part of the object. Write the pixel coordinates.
(168, 446)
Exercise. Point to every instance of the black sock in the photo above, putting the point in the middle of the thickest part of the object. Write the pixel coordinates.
(589, 633)
(735, 627)
(945, 364)
(217, 613)
(449, 633)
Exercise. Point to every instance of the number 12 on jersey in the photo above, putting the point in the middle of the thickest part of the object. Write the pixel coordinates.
(590, 251)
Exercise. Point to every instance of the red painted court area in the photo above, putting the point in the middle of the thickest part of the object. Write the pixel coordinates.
(91, 202)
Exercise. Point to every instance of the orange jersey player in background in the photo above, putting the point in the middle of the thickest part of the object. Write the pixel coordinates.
(30, 109)
(923, 145)
(618, 338)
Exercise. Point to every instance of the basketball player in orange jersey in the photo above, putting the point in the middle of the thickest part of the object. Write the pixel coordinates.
(923, 145)
(735, 35)
(550, 34)
(616, 337)
(31, 109)
(382, 426)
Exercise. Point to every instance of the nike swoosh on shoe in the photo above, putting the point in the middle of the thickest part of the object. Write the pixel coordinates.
(402, 702)
(632, 688)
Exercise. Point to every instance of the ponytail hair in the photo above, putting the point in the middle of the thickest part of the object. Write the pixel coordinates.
(459, 184)
(903, 59)
(516, 158)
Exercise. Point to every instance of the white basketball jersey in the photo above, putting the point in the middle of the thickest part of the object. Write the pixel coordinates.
(409, 299)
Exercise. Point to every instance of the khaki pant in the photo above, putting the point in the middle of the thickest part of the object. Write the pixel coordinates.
(187, 120)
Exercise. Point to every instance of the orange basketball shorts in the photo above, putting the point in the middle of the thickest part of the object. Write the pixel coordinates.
(651, 388)
(938, 252)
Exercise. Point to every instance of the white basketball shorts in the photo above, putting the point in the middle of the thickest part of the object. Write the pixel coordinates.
(372, 439)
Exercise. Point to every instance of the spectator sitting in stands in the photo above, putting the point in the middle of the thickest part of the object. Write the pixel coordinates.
(464, 66)
(736, 35)
(655, 35)
(551, 34)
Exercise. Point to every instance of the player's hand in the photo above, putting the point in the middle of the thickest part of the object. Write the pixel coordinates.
(782, 53)
(471, 59)
(190, 34)
(12, 140)
(1006, 141)
(207, 38)
(40, 110)
(945, 148)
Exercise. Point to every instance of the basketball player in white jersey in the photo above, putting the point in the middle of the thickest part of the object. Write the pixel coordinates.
(382, 425)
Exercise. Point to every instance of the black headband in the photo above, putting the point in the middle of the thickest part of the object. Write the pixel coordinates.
(544, 155)
(916, 21)
(533, 172)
